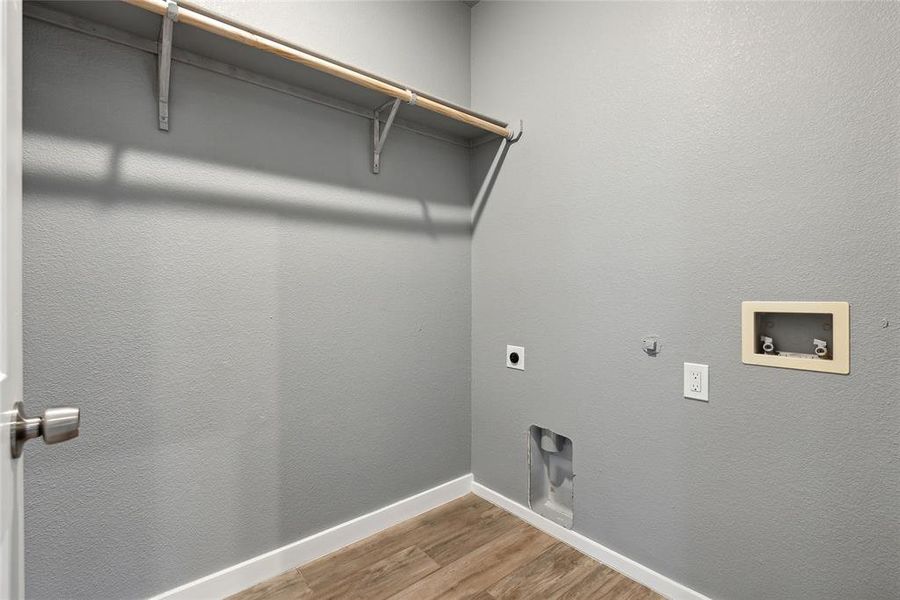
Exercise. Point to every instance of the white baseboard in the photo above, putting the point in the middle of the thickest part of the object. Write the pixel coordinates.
(634, 570)
(250, 572)
(258, 569)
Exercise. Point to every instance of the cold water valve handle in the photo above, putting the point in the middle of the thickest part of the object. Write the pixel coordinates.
(821, 348)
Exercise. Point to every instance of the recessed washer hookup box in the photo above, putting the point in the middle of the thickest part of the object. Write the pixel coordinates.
(812, 336)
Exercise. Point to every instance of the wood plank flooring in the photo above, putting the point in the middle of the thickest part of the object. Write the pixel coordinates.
(467, 548)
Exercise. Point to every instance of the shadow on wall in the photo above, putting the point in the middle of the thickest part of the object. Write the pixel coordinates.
(487, 163)
(112, 173)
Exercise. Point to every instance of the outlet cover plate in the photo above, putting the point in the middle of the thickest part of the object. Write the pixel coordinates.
(520, 352)
(696, 381)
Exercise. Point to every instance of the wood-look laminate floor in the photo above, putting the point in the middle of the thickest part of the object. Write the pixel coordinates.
(467, 548)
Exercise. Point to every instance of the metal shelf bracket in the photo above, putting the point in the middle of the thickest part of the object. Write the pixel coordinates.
(164, 66)
(379, 135)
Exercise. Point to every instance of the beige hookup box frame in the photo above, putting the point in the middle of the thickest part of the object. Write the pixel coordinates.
(811, 336)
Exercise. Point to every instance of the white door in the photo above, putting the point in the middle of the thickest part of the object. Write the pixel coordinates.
(56, 424)
(11, 560)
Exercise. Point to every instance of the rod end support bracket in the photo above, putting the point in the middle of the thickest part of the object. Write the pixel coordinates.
(515, 135)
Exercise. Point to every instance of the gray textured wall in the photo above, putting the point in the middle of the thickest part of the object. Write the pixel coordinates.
(678, 159)
(264, 338)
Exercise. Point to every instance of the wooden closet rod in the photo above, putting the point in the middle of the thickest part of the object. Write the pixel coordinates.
(231, 32)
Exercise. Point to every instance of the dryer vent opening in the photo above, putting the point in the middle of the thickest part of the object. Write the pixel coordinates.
(551, 482)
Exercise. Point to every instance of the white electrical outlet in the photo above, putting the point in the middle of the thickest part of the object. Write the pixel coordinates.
(515, 357)
(696, 381)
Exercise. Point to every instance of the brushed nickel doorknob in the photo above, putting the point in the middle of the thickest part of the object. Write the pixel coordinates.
(55, 425)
